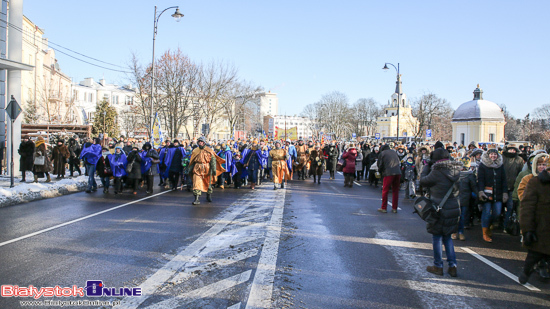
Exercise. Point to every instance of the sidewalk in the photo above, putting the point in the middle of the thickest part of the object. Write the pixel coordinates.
(28, 191)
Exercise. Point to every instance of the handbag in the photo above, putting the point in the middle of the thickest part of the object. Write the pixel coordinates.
(107, 172)
(513, 225)
(426, 209)
(129, 167)
(340, 165)
(40, 160)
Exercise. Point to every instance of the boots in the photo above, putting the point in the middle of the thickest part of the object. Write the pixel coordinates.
(48, 179)
(35, 178)
(209, 197)
(274, 186)
(196, 201)
(319, 179)
(486, 236)
(282, 185)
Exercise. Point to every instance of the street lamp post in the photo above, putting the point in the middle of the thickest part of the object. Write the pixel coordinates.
(177, 16)
(398, 92)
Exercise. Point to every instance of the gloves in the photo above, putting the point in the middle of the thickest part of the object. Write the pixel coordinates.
(482, 196)
(529, 238)
(504, 197)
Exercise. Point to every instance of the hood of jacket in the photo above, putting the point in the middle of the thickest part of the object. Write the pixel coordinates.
(535, 162)
(451, 169)
(489, 163)
(384, 147)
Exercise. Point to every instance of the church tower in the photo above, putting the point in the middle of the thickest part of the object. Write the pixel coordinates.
(387, 124)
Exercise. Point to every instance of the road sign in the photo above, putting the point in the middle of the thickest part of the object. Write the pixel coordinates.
(13, 109)
(353, 135)
(404, 134)
(377, 135)
(429, 133)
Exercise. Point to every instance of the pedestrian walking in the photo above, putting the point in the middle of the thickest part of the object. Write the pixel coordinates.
(317, 164)
(118, 164)
(442, 180)
(332, 160)
(149, 161)
(103, 169)
(74, 154)
(90, 155)
(278, 157)
(389, 167)
(205, 166)
(468, 189)
(133, 169)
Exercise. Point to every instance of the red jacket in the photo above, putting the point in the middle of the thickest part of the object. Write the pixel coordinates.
(350, 156)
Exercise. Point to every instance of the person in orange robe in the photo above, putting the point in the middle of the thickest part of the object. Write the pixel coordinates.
(205, 167)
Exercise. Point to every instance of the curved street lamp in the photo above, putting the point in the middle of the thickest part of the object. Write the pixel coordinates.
(398, 88)
(177, 16)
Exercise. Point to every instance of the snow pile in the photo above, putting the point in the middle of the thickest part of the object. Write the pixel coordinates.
(27, 192)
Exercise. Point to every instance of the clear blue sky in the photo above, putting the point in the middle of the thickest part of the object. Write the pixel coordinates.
(304, 49)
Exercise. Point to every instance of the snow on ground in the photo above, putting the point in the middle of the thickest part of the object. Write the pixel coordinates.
(29, 191)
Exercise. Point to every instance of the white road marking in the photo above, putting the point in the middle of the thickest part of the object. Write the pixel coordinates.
(203, 292)
(188, 272)
(262, 286)
(235, 306)
(79, 219)
(499, 269)
(433, 294)
(169, 269)
(398, 208)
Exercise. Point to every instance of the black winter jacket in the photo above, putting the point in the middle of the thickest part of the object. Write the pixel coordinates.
(492, 174)
(389, 163)
(467, 184)
(135, 173)
(442, 176)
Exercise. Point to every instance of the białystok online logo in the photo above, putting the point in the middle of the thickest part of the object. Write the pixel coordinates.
(94, 288)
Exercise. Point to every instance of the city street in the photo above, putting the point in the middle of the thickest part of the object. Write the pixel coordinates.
(306, 246)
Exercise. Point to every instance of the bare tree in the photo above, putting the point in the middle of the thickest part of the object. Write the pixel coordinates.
(177, 79)
(364, 115)
(215, 81)
(433, 113)
(512, 129)
(141, 79)
(334, 114)
(130, 121)
(237, 105)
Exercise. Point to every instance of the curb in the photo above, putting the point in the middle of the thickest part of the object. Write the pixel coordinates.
(29, 192)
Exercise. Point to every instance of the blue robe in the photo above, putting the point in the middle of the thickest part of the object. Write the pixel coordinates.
(263, 156)
(168, 155)
(118, 165)
(91, 154)
(146, 162)
(244, 157)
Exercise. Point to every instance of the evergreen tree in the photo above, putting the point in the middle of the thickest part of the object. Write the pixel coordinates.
(31, 113)
(105, 119)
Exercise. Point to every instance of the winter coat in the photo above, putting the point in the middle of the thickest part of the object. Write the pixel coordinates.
(127, 149)
(371, 159)
(74, 152)
(332, 160)
(535, 212)
(317, 159)
(467, 184)
(388, 162)
(513, 164)
(525, 180)
(60, 154)
(492, 174)
(350, 156)
(134, 157)
(26, 151)
(359, 162)
(41, 150)
(443, 175)
(150, 156)
(102, 163)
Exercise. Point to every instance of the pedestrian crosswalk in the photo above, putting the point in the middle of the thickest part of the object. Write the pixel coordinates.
(232, 265)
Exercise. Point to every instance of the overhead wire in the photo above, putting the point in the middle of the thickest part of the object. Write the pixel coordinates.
(56, 49)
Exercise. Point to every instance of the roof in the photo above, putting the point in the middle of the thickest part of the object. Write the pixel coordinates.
(477, 110)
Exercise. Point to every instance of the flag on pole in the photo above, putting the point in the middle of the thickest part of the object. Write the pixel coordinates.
(157, 134)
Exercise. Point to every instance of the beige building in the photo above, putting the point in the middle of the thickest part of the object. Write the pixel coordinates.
(387, 124)
(46, 90)
(478, 120)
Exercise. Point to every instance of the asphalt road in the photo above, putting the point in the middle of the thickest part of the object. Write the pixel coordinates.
(307, 246)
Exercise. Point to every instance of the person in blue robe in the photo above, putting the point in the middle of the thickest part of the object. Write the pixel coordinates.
(118, 164)
(253, 164)
(90, 155)
(173, 160)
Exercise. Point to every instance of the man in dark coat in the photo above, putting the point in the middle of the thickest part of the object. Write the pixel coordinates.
(389, 167)
(534, 217)
(74, 154)
(134, 174)
(149, 162)
(513, 164)
(26, 161)
(332, 160)
(441, 177)
(60, 154)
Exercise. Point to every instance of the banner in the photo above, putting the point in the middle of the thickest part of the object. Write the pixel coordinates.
(292, 133)
(157, 134)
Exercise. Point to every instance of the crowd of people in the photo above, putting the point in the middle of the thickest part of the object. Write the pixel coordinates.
(475, 184)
